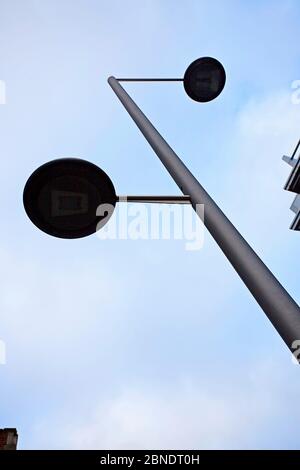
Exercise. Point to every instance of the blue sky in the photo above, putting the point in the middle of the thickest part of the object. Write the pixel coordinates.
(142, 344)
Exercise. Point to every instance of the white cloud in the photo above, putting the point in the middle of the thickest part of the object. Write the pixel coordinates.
(185, 415)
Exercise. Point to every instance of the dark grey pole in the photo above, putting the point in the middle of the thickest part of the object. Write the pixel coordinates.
(277, 304)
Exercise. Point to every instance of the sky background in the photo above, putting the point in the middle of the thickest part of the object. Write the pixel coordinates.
(143, 344)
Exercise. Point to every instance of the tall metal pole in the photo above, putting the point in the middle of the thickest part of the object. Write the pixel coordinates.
(277, 304)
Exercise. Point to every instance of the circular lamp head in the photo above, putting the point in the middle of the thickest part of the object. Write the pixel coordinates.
(61, 198)
(204, 79)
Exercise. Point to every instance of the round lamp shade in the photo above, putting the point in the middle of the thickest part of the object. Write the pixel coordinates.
(69, 198)
(204, 79)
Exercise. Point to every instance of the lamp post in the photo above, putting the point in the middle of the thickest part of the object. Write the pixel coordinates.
(278, 305)
(62, 196)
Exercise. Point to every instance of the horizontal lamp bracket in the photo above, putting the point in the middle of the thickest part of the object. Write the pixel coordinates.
(156, 199)
(149, 79)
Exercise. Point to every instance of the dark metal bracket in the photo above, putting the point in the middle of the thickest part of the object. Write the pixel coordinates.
(149, 79)
(156, 199)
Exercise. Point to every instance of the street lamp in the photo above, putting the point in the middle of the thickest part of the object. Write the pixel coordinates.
(203, 81)
(61, 197)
